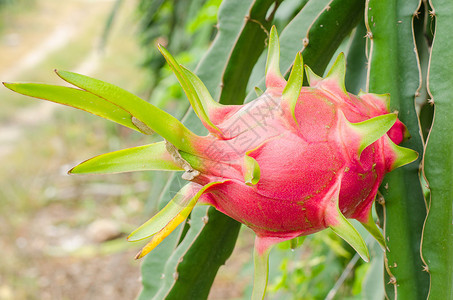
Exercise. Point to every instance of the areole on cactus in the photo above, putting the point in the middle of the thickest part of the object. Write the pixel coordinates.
(294, 161)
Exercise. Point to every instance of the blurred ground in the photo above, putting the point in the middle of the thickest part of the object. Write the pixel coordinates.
(58, 234)
(63, 237)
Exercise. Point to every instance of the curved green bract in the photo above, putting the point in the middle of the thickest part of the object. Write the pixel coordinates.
(372, 129)
(338, 72)
(392, 52)
(181, 200)
(181, 205)
(372, 228)
(156, 119)
(273, 54)
(196, 92)
(75, 98)
(291, 92)
(143, 158)
(403, 156)
(342, 227)
(252, 172)
(437, 245)
(312, 78)
(258, 91)
(347, 232)
(203, 93)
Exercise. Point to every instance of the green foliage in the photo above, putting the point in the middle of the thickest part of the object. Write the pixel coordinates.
(184, 28)
(437, 248)
(391, 52)
(310, 271)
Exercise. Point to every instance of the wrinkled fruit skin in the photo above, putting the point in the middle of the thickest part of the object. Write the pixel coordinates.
(300, 162)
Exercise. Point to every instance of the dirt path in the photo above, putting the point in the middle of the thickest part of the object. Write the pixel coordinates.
(42, 218)
(55, 41)
(42, 112)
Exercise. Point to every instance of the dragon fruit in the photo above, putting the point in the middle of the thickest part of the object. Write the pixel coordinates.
(294, 161)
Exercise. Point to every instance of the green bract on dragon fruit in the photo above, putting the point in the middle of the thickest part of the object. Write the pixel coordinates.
(294, 161)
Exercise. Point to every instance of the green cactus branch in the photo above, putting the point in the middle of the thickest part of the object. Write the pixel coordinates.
(320, 27)
(390, 32)
(248, 47)
(437, 246)
(391, 52)
(328, 31)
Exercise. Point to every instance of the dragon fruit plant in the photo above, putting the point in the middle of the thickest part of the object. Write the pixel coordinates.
(297, 159)
(294, 161)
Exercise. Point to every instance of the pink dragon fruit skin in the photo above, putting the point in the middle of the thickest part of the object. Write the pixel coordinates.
(301, 164)
(294, 161)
